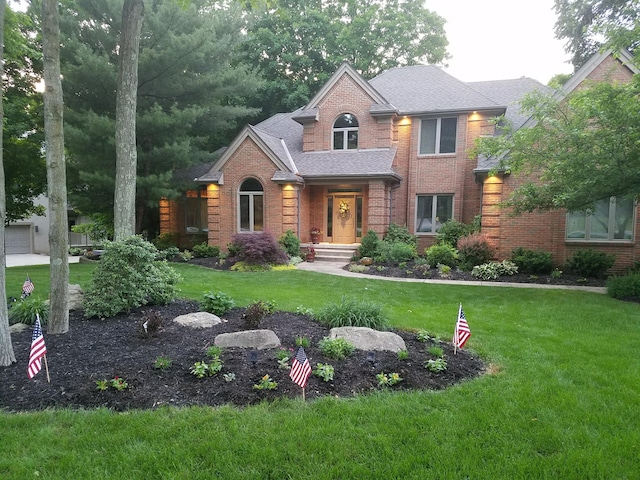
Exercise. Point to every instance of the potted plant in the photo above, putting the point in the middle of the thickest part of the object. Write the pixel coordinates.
(311, 254)
(315, 234)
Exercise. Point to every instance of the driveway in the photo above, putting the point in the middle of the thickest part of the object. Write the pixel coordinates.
(21, 260)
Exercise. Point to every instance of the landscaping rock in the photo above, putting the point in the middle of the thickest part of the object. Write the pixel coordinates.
(76, 296)
(368, 339)
(258, 339)
(18, 327)
(198, 320)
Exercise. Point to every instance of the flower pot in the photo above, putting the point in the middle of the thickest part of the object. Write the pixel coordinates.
(315, 238)
(311, 257)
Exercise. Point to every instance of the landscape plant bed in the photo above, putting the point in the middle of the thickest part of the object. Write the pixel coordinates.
(95, 350)
(411, 270)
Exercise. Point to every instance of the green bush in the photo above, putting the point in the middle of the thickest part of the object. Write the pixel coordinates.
(443, 254)
(129, 276)
(336, 348)
(24, 311)
(290, 243)
(167, 240)
(217, 303)
(625, 287)
(369, 244)
(590, 263)
(532, 261)
(395, 252)
(204, 250)
(398, 234)
(452, 230)
(493, 270)
(353, 313)
(473, 250)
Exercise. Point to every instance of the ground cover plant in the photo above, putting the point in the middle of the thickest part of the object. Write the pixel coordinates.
(560, 400)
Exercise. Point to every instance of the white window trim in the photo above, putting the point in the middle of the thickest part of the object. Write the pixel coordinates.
(610, 227)
(438, 138)
(434, 209)
(251, 194)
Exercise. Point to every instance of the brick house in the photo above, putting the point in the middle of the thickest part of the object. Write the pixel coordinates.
(396, 149)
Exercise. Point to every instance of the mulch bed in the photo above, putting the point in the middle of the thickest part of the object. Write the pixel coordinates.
(103, 349)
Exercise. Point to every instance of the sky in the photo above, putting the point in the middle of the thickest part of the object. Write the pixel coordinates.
(501, 39)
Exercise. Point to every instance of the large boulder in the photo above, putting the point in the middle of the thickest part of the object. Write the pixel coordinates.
(364, 338)
(257, 339)
(76, 296)
(198, 320)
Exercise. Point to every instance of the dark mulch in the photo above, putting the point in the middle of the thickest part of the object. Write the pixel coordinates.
(411, 270)
(98, 349)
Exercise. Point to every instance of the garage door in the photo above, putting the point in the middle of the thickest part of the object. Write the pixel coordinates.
(17, 239)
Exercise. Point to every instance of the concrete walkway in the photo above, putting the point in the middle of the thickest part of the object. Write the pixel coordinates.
(25, 259)
(334, 268)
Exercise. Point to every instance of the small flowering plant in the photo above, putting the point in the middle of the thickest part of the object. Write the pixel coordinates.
(266, 383)
(388, 380)
(316, 231)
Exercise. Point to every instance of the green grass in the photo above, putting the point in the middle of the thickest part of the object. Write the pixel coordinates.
(562, 402)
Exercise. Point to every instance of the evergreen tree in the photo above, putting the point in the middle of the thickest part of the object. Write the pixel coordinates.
(189, 95)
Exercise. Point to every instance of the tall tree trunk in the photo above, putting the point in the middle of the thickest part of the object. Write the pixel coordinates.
(7, 356)
(126, 102)
(56, 171)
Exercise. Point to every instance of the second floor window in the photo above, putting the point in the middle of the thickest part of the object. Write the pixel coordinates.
(345, 132)
(438, 135)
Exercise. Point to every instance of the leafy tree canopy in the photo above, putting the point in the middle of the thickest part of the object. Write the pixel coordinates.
(298, 44)
(24, 165)
(578, 150)
(189, 95)
(588, 25)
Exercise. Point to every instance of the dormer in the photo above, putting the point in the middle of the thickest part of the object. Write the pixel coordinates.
(346, 114)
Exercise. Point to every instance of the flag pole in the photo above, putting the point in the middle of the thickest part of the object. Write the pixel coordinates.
(303, 396)
(46, 367)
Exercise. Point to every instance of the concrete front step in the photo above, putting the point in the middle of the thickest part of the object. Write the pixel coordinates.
(328, 252)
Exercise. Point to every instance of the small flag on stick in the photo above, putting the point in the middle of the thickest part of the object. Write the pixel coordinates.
(27, 287)
(38, 351)
(300, 369)
(462, 331)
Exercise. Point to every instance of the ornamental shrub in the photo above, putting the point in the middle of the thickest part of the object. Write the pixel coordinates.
(259, 248)
(24, 311)
(474, 249)
(443, 254)
(395, 252)
(217, 303)
(336, 348)
(128, 276)
(290, 243)
(493, 270)
(204, 250)
(398, 234)
(452, 230)
(590, 263)
(353, 313)
(532, 261)
(369, 244)
(625, 287)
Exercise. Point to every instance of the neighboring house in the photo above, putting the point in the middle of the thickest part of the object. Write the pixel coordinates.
(31, 235)
(396, 149)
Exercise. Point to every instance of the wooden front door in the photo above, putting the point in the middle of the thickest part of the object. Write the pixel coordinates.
(344, 219)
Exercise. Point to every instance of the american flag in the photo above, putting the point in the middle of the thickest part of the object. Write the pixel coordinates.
(462, 332)
(300, 368)
(38, 349)
(27, 287)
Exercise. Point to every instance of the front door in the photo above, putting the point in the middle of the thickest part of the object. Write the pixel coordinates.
(344, 219)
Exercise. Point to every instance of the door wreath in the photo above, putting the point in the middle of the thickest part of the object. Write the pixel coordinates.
(343, 208)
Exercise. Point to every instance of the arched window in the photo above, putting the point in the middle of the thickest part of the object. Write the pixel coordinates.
(345, 132)
(251, 210)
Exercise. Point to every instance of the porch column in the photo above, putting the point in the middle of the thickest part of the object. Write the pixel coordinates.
(290, 208)
(491, 196)
(378, 208)
(213, 215)
(168, 216)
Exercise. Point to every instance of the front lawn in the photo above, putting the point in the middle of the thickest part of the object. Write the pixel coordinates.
(561, 401)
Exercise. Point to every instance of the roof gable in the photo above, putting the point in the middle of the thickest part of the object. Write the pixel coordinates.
(310, 111)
